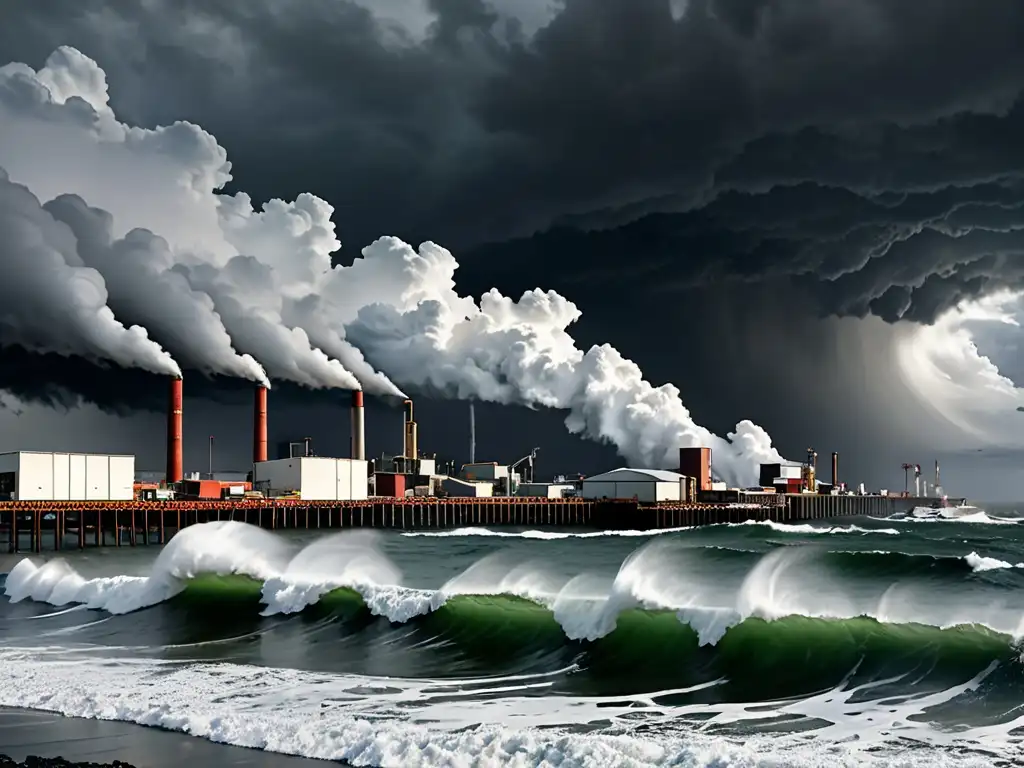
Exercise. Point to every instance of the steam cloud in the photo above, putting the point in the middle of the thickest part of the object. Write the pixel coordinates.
(266, 276)
(60, 137)
(50, 301)
(138, 271)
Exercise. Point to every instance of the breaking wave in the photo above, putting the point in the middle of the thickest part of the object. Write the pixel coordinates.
(230, 561)
(804, 529)
(968, 515)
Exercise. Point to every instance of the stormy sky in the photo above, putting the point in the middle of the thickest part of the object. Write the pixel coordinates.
(776, 205)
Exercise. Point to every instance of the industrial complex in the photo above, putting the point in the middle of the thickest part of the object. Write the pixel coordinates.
(409, 489)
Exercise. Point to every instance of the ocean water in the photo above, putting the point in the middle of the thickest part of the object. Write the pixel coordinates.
(847, 642)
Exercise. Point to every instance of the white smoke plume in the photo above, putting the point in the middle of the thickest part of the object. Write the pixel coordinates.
(50, 301)
(138, 270)
(415, 326)
(296, 241)
(59, 136)
(269, 275)
(250, 302)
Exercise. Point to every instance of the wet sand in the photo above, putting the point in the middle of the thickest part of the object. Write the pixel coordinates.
(24, 733)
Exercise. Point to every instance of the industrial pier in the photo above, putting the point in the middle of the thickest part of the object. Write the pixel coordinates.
(53, 526)
(58, 501)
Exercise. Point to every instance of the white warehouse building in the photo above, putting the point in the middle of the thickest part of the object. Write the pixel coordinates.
(648, 485)
(39, 476)
(314, 478)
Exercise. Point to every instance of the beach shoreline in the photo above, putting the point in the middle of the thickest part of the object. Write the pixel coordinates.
(79, 740)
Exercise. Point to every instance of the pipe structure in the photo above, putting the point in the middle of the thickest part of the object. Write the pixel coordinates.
(835, 469)
(175, 463)
(358, 427)
(259, 426)
(472, 433)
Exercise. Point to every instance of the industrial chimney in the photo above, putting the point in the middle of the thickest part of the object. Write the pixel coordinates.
(259, 426)
(175, 471)
(835, 469)
(358, 427)
(410, 448)
(472, 433)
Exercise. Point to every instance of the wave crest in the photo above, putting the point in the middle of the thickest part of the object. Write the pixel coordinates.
(663, 575)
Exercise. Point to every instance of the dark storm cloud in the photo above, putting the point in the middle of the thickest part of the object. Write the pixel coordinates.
(66, 382)
(766, 137)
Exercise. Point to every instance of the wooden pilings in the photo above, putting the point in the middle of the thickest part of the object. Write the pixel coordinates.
(92, 524)
(140, 522)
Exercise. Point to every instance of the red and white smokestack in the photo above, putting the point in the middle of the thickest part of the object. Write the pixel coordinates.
(358, 428)
(175, 470)
(259, 426)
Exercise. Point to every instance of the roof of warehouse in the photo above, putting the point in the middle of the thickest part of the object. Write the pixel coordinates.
(71, 453)
(625, 474)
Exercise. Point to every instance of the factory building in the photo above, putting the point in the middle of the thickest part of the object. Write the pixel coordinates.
(38, 476)
(646, 485)
(546, 490)
(453, 486)
(313, 478)
(787, 478)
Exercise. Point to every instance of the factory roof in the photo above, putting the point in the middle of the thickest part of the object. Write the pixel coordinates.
(69, 453)
(626, 475)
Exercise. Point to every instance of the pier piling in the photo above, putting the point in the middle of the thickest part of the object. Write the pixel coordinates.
(419, 514)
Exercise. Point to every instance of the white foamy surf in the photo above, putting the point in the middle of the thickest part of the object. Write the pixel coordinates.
(816, 530)
(539, 535)
(980, 564)
(410, 724)
(969, 515)
(791, 528)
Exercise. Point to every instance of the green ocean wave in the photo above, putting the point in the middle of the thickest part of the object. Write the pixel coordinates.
(753, 643)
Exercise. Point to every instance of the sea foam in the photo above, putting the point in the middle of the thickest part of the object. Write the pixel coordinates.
(331, 717)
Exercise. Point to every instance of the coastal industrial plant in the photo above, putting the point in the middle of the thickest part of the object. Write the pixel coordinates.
(296, 473)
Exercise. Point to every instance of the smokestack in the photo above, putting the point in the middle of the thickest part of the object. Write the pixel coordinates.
(938, 483)
(835, 469)
(411, 448)
(175, 471)
(259, 426)
(358, 427)
(472, 433)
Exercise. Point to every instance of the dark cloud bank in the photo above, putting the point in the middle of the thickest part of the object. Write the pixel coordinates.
(706, 188)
